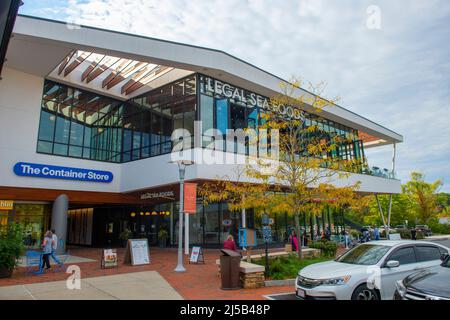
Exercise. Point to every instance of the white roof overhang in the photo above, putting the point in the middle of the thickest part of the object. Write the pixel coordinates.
(38, 46)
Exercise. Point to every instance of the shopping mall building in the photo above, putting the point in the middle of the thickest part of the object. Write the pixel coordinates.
(89, 113)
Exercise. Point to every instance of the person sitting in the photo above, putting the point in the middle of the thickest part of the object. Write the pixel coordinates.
(229, 243)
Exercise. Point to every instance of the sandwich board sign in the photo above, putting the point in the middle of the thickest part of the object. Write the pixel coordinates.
(109, 259)
(197, 255)
(137, 252)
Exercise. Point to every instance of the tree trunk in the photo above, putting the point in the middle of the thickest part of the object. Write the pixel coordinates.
(299, 238)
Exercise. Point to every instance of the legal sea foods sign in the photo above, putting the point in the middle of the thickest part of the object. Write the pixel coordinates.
(229, 91)
(25, 169)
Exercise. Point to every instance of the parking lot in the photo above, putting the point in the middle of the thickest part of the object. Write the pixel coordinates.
(443, 240)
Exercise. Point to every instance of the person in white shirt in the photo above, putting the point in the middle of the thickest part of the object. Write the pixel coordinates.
(54, 247)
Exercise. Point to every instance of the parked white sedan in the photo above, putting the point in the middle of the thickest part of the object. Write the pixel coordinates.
(368, 271)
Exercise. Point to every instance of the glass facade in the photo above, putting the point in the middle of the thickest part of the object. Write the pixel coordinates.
(81, 124)
(34, 218)
(223, 106)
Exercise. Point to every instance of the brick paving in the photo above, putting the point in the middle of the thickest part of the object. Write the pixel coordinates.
(200, 282)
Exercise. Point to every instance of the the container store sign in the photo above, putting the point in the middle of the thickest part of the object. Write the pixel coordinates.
(66, 173)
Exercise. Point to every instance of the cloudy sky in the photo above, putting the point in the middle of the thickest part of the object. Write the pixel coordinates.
(394, 70)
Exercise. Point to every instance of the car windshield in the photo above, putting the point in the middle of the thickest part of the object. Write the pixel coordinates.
(364, 254)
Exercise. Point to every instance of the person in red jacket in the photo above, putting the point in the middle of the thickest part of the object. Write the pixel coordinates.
(229, 243)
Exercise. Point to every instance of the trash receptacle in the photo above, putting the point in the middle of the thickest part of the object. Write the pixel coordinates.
(229, 269)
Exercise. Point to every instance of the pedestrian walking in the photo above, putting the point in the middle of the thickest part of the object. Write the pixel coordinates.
(54, 247)
(413, 234)
(376, 233)
(328, 233)
(47, 245)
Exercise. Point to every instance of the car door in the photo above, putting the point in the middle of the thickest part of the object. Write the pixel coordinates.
(428, 255)
(406, 256)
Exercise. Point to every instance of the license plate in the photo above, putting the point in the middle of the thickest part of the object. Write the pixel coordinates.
(301, 293)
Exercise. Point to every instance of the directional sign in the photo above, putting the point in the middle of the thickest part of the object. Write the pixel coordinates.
(267, 234)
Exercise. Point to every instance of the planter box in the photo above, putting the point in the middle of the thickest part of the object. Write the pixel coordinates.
(5, 272)
(277, 283)
(251, 275)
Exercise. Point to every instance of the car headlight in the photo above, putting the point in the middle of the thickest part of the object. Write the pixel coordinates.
(401, 289)
(335, 281)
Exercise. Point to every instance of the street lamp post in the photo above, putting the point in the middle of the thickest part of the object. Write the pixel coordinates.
(182, 169)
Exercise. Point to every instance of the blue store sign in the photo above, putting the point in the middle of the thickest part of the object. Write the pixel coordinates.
(66, 173)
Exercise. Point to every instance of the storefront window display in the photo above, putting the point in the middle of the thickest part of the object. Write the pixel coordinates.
(34, 218)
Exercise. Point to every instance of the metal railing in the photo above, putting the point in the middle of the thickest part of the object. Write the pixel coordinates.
(379, 172)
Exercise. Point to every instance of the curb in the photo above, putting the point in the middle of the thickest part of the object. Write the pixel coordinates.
(279, 283)
(437, 238)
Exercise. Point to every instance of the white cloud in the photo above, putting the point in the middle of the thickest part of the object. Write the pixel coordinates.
(397, 76)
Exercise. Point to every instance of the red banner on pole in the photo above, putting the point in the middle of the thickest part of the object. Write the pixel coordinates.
(190, 197)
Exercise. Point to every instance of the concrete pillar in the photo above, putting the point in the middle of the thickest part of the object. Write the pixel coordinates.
(59, 221)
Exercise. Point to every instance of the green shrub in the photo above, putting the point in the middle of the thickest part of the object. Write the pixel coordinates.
(406, 234)
(11, 245)
(163, 234)
(281, 268)
(327, 248)
(437, 227)
(125, 234)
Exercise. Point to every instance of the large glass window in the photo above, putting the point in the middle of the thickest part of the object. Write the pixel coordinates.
(222, 115)
(237, 117)
(34, 218)
(47, 126)
(236, 108)
(206, 116)
(81, 124)
(212, 229)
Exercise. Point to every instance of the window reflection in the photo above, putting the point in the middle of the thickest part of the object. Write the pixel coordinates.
(227, 112)
(81, 124)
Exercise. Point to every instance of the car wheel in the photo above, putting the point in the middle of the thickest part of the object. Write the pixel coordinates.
(364, 293)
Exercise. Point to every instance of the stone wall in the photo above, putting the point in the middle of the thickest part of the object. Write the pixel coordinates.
(252, 280)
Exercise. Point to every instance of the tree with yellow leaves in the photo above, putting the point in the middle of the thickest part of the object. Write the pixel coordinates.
(303, 178)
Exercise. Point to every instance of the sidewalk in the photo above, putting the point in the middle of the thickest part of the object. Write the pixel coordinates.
(199, 282)
(439, 237)
(147, 285)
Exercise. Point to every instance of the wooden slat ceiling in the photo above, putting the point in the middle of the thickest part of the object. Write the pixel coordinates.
(365, 137)
(109, 71)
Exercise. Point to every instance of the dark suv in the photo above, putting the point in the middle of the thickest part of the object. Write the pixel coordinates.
(430, 284)
(424, 229)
